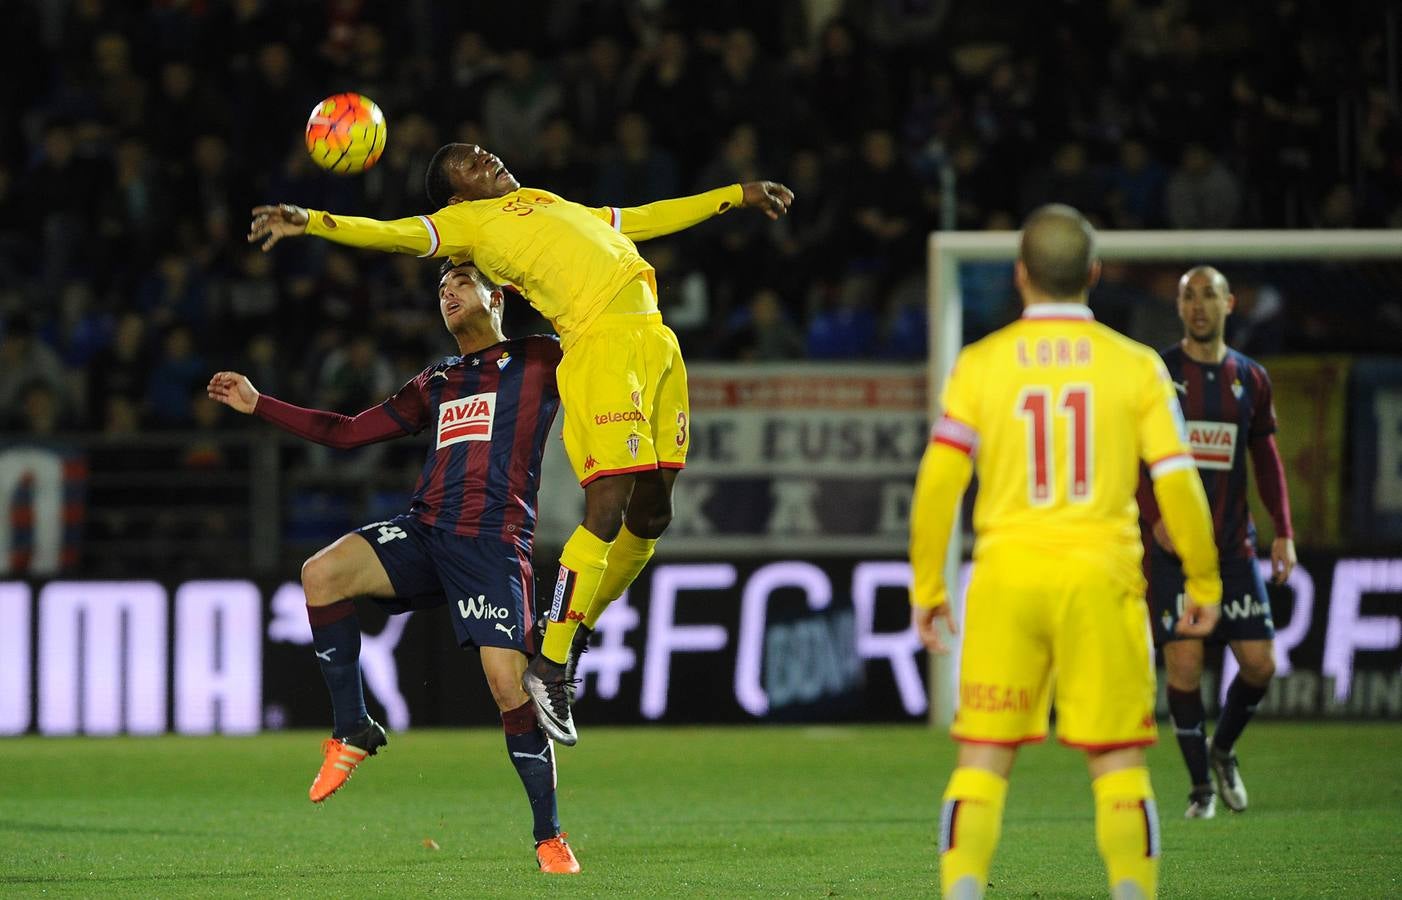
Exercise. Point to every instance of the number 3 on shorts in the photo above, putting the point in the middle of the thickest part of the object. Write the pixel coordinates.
(681, 429)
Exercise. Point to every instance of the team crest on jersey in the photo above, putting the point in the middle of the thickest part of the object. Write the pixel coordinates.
(1213, 444)
(468, 419)
(502, 362)
(1237, 388)
(633, 442)
(638, 398)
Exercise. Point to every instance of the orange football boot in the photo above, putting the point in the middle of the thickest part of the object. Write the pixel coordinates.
(340, 756)
(555, 857)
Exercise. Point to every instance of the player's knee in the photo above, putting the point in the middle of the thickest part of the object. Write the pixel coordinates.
(506, 689)
(1258, 670)
(651, 522)
(319, 581)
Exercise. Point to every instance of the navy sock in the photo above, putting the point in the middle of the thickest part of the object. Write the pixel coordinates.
(336, 639)
(1189, 725)
(1242, 700)
(534, 759)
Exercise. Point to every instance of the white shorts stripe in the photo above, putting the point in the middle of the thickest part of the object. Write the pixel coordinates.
(433, 241)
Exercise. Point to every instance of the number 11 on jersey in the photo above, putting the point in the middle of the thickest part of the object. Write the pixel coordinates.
(1074, 404)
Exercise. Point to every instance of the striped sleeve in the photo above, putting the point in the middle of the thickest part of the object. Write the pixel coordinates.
(953, 433)
(434, 242)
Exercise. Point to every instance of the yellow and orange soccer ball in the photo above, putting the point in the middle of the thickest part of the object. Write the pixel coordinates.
(346, 134)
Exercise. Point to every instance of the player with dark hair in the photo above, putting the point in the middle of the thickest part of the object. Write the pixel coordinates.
(465, 542)
(1226, 398)
(622, 379)
(1056, 412)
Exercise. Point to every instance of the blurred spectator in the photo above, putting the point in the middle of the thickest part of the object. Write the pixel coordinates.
(595, 93)
(39, 409)
(635, 172)
(120, 370)
(25, 361)
(1136, 188)
(665, 88)
(517, 106)
(354, 377)
(845, 329)
(849, 85)
(562, 169)
(1201, 193)
(1068, 179)
(762, 332)
(179, 374)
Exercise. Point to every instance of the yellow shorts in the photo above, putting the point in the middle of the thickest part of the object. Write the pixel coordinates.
(1039, 627)
(623, 390)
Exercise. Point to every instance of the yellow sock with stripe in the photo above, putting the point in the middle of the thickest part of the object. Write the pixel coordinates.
(970, 825)
(582, 566)
(1127, 833)
(627, 557)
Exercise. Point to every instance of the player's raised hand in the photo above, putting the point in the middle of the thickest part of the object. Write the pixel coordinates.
(927, 619)
(273, 223)
(769, 196)
(234, 391)
(1282, 559)
(1198, 621)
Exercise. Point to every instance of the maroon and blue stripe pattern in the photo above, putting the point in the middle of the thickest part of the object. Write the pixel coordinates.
(489, 416)
(1234, 392)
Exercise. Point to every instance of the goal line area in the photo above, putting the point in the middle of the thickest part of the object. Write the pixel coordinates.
(1352, 277)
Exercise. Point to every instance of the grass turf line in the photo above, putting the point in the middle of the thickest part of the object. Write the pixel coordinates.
(713, 812)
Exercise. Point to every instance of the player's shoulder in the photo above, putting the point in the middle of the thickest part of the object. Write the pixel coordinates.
(545, 346)
(1245, 363)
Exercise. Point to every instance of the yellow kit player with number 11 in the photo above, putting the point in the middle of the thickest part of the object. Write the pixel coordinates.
(622, 380)
(1056, 412)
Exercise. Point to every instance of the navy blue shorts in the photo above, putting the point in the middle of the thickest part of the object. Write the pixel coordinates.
(1246, 608)
(487, 585)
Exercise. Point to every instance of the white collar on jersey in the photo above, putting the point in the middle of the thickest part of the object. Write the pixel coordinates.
(1058, 311)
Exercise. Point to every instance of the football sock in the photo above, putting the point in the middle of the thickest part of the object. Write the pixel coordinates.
(1127, 832)
(970, 824)
(582, 567)
(1242, 700)
(1190, 727)
(534, 759)
(627, 557)
(336, 640)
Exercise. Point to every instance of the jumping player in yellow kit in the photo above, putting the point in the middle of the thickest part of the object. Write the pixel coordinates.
(622, 380)
(1055, 412)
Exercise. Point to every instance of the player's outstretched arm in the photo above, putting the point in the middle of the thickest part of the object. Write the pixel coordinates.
(652, 220)
(235, 391)
(415, 235)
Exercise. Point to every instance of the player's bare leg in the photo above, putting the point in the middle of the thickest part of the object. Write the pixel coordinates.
(648, 514)
(532, 756)
(1183, 660)
(1126, 821)
(1257, 661)
(337, 573)
(971, 819)
(582, 565)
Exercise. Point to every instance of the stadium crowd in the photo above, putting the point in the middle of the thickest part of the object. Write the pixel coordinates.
(140, 134)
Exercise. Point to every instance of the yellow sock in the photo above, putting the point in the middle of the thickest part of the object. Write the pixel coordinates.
(970, 825)
(627, 557)
(582, 567)
(1127, 833)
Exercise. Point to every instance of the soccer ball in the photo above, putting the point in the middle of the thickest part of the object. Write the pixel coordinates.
(346, 134)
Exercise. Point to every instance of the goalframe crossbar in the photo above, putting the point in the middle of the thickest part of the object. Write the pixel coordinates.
(946, 320)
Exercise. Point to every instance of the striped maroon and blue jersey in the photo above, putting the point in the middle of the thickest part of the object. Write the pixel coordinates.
(490, 413)
(1226, 406)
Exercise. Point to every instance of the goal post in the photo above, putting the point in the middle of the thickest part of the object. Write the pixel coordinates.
(948, 250)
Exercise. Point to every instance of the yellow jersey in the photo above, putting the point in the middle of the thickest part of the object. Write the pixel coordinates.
(567, 260)
(1056, 412)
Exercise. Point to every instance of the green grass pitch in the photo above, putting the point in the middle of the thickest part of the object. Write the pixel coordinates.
(653, 812)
